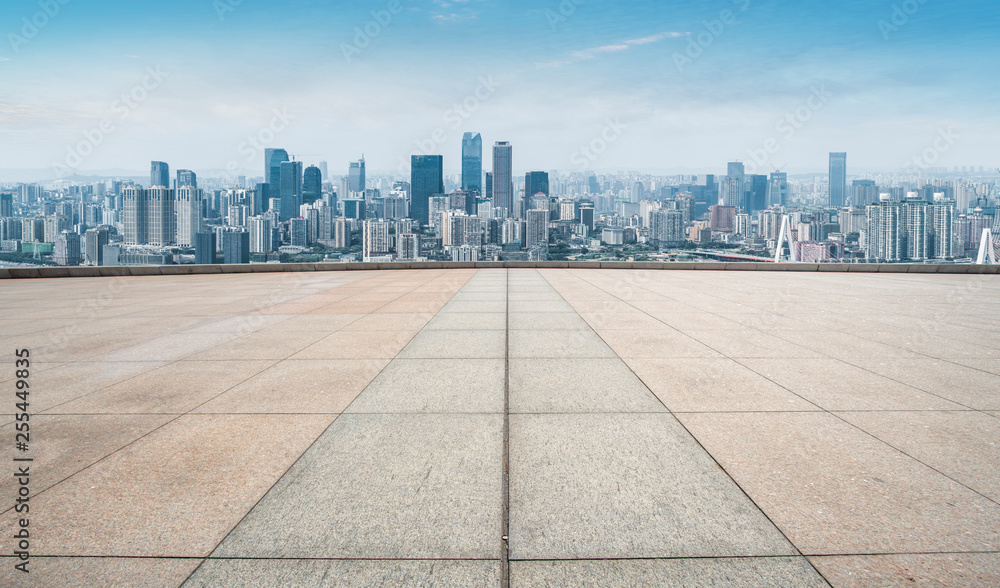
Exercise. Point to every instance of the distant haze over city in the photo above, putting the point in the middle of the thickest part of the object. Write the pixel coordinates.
(102, 88)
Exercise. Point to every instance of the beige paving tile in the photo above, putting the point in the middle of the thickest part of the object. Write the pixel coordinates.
(713, 385)
(390, 322)
(952, 569)
(435, 386)
(971, 386)
(183, 487)
(327, 323)
(51, 388)
(746, 343)
(273, 343)
(358, 345)
(168, 347)
(349, 573)
(87, 572)
(963, 445)
(173, 389)
(300, 386)
(834, 489)
(63, 445)
(664, 342)
(776, 572)
(456, 344)
(835, 385)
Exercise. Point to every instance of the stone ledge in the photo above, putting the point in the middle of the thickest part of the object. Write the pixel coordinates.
(174, 270)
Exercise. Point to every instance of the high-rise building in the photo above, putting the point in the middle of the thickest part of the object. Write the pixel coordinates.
(883, 238)
(135, 202)
(863, 193)
(757, 195)
(159, 175)
(204, 248)
(54, 225)
(291, 189)
(914, 223)
(488, 187)
(67, 249)
(472, 163)
(186, 179)
(273, 158)
(426, 181)
(94, 242)
(838, 180)
(536, 228)
(667, 227)
(298, 231)
(376, 239)
(6, 205)
(324, 170)
(356, 176)
(943, 228)
(733, 186)
(188, 211)
(535, 183)
(503, 179)
(312, 185)
(161, 223)
(777, 190)
(236, 247)
(261, 235)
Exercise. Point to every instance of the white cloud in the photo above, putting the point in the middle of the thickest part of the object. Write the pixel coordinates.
(594, 52)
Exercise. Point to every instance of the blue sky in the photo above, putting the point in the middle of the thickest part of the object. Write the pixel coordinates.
(686, 86)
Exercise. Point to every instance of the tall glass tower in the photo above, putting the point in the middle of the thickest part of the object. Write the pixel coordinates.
(273, 158)
(503, 178)
(426, 180)
(312, 185)
(159, 174)
(472, 163)
(838, 179)
(356, 176)
(291, 189)
(186, 179)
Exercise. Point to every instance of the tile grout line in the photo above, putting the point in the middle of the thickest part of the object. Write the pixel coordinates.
(505, 485)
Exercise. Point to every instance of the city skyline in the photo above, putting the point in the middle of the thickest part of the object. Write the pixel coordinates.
(665, 86)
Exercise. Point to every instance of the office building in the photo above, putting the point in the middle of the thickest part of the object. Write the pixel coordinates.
(356, 177)
(535, 183)
(93, 246)
(204, 248)
(159, 175)
(291, 189)
(236, 247)
(312, 185)
(838, 180)
(67, 249)
(161, 221)
(188, 211)
(777, 190)
(426, 181)
(298, 232)
(262, 235)
(733, 189)
(6, 205)
(503, 179)
(273, 158)
(186, 179)
(472, 163)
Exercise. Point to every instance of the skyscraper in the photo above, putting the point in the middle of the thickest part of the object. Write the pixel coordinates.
(236, 247)
(312, 185)
(838, 180)
(503, 179)
(187, 209)
(757, 195)
(161, 224)
(186, 179)
(488, 187)
(733, 191)
(777, 189)
(6, 205)
(536, 182)
(135, 201)
(356, 177)
(291, 189)
(273, 158)
(204, 248)
(426, 180)
(472, 163)
(159, 174)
